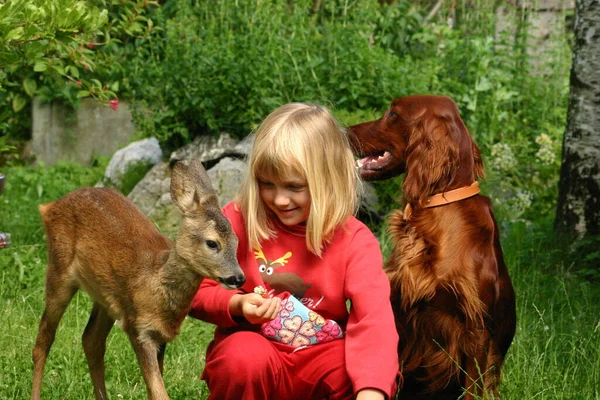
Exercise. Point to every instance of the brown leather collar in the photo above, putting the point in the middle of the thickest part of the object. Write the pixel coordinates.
(444, 198)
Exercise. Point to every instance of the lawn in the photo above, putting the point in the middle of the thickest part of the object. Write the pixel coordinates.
(555, 354)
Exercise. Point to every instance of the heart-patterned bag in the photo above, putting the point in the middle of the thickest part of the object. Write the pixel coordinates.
(298, 326)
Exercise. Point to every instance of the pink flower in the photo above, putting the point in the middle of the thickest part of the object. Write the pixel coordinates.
(271, 328)
(114, 104)
(91, 45)
(331, 328)
(78, 82)
(287, 307)
(329, 332)
(268, 330)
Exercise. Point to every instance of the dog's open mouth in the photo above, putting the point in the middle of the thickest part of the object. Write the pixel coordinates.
(374, 162)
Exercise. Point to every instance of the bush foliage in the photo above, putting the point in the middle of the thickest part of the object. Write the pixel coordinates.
(194, 67)
(61, 50)
(224, 65)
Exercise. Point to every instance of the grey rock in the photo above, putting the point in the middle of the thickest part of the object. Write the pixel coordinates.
(224, 160)
(226, 177)
(218, 155)
(245, 145)
(61, 133)
(206, 149)
(145, 152)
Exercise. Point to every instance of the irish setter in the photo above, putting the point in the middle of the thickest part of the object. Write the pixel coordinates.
(453, 299)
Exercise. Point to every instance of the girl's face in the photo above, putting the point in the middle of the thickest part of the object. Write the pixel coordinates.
(288, 198)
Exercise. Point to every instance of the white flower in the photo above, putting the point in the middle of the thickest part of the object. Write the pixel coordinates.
(520, 202)
(545, 154)
(543, 139)
(503, 158)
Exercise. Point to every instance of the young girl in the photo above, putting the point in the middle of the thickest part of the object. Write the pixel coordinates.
(288, 334)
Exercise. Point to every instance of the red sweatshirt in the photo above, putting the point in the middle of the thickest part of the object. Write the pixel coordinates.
(350, 269)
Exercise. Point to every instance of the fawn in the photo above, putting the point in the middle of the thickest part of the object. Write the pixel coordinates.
(100, 242)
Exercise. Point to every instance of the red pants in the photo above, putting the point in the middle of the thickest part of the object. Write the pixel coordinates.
(246, 365)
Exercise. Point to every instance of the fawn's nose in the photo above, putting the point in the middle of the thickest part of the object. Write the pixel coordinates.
(234, 281)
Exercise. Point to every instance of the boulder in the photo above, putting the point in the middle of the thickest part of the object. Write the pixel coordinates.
(224, 160)
(220, 156)
(138, 157)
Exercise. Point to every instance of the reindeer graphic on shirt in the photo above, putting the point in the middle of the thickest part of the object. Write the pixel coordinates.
(281, 281)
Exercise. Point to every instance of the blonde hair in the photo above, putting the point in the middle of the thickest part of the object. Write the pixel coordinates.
(305, 140)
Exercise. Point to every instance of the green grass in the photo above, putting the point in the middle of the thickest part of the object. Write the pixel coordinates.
(22, 269)
(556, 351)
(555, 354)
(66, 374)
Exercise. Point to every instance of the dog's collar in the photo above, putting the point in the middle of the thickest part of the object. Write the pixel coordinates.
(444, 198)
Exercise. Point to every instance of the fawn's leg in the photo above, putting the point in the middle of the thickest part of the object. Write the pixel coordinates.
(94, 346)
(59, 292)
(161, 356)
(147, 354)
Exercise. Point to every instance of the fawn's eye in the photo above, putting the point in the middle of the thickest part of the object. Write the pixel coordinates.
(212, 244)
(391, 114)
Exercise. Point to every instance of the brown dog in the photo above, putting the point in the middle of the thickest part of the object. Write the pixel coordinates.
(453, 299)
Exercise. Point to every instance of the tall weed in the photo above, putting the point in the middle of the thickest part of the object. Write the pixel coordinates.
(554, 355)
(214, 66)
(204, 67)
(225, 65)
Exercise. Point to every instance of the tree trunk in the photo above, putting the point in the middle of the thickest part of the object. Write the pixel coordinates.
(578, 209)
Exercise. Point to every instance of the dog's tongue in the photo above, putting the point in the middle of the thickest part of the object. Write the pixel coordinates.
(372, 162)
(363, 161)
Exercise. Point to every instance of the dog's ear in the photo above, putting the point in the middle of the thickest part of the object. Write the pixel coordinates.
(432, 158)
(479, 169)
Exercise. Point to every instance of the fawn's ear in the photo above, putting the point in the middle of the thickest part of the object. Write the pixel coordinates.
(191, 189)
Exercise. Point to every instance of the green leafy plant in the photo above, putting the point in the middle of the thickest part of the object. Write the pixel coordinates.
(53, 49)
(224, 65)
(204, 67)
(48, 38)
(4, 147)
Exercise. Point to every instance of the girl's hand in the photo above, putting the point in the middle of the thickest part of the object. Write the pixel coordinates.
(370, 394)
(254, 307)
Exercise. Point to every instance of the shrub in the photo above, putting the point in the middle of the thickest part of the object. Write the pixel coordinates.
(57, 50)
(225, 66)
(203, 67)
